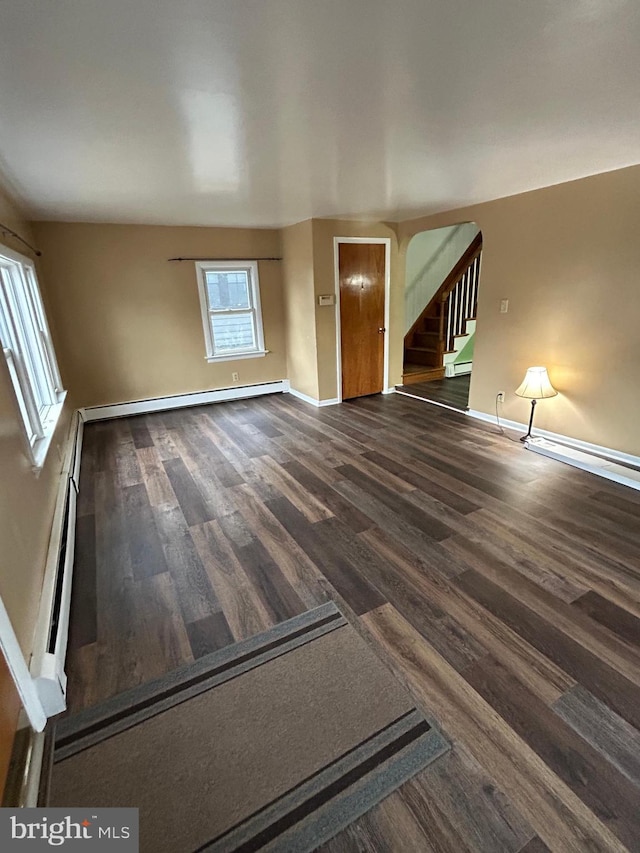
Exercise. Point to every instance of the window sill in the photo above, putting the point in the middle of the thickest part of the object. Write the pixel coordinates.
(40, 449)
(237, 355)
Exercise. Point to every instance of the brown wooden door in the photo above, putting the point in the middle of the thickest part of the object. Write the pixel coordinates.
(361, 276)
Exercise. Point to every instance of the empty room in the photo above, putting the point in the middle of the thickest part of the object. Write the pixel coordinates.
(319, 446)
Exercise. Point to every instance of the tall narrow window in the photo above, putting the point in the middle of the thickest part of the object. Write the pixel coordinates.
(28, 350)
(231, 315)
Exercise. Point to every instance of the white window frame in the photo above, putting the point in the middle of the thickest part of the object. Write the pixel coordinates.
(29, 354)
(251, 268)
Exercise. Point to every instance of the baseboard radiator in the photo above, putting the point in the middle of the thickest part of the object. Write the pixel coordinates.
(47, 666)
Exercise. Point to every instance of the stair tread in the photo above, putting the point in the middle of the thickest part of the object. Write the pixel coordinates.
(416, 368)
(424, 368)
(422, 349)
(420, 373)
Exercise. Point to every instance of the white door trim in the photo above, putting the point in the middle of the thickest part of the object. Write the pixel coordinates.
(386, 242)
(19, 670)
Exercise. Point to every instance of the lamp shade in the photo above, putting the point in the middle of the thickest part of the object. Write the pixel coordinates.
(536, 384)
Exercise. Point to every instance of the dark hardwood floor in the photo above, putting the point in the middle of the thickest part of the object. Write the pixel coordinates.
(503, 589)
(452, 391)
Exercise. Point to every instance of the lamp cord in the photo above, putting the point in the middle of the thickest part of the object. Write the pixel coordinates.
(501, 428)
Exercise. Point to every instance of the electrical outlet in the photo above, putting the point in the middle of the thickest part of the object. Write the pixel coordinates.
(500, 397)
(235, 376)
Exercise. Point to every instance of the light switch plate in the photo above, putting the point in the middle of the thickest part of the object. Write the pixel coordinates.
(328, 299)
(504, 306)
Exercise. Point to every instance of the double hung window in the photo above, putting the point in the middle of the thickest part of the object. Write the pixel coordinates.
(28, 350)
(231, 314)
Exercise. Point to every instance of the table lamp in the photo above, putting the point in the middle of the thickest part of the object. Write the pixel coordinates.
(535, 386)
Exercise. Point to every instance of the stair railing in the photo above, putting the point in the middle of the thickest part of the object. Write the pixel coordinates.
(442, 297)
(460, 302)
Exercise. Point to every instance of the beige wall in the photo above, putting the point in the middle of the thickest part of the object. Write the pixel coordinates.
(324, 232)
(431, 256)
(129, 321)
(568, 259)
(302, 356)
(26, 512)
(9, 710)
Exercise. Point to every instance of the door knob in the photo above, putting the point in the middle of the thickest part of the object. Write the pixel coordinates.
(381, 331)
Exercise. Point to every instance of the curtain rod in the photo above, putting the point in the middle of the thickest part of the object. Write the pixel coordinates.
(6, 230)
(224, 259)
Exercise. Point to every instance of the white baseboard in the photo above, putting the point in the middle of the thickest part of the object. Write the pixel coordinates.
(430, 402)
(77, 455)
(180, 401)
(33, 771)
(332, 401)
(597, 449)
(491, 419)
(598, 452)
(312, 400)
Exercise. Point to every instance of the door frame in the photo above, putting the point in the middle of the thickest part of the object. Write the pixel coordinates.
(386, 242)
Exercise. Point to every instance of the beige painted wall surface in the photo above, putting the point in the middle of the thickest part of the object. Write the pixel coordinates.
(568, 259)
(26, 513)
(431, 256)
(302, 363)
(129, 321)
(324, 232)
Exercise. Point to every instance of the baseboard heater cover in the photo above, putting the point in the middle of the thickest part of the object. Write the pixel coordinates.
(587, 462)
(48, 668)
(181, 401)
(596, 458)
(457, 368)
(50, 645)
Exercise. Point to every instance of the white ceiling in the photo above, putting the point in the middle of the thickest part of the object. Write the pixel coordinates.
(268, 112)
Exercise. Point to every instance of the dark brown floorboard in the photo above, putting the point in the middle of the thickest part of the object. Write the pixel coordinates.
(617, 619)
(83, 628)
(503, 589)
(209, 634)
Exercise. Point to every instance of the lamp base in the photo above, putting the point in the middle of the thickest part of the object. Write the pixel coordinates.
(528, 435)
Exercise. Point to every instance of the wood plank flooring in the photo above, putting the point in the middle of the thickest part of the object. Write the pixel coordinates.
(452, 391)
(502, 588)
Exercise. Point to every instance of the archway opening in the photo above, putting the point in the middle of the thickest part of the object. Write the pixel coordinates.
(441, 298)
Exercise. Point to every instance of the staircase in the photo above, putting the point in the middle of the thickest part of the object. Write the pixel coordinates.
(443, 320)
